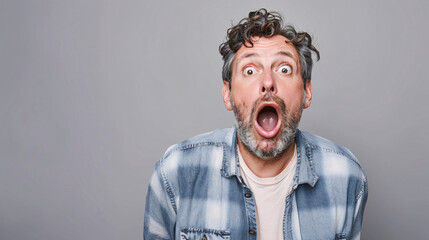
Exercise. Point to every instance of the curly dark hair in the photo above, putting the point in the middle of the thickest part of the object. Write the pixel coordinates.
(262, 23)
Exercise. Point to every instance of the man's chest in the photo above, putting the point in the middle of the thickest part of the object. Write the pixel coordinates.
(232, 215)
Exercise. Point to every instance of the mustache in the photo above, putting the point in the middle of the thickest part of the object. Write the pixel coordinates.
(268, 97)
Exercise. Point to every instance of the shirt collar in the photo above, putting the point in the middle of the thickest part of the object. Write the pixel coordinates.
(305, 172)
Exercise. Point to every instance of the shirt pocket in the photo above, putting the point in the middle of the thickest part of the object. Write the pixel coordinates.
(193, 233)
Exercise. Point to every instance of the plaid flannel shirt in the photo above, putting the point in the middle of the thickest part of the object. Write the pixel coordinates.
(197, 192)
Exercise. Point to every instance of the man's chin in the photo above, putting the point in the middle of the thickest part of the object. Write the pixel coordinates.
(267, 148)
(267, 145)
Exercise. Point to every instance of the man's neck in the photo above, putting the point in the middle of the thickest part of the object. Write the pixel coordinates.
(269, 167)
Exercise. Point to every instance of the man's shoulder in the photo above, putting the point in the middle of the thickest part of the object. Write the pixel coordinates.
(327, 154)
(217, 137)
(199, 149)
(323, 144)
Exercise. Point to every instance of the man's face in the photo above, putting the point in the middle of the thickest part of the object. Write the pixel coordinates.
(267, 95)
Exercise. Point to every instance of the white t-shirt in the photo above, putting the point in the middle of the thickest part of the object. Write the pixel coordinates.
(270, 197)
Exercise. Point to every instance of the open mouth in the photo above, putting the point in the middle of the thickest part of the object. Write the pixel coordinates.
(267, 121)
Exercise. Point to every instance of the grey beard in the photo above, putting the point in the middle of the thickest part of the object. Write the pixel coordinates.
(289, 128)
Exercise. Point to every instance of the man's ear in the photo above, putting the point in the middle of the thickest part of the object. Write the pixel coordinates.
(226, 92)
(308, 93)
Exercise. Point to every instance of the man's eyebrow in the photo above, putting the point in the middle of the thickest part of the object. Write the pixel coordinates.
(280, 53)
(247, 55)
(288, 54)
(285, 53)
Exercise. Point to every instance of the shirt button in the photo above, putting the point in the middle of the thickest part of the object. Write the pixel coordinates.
(251, 231)
(248, 195)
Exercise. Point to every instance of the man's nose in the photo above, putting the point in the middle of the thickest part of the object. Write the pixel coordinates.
(268, 84)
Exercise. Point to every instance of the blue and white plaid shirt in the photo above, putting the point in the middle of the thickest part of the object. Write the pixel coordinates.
(197, 192)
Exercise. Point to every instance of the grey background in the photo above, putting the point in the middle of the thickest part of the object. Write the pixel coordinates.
(93, 92)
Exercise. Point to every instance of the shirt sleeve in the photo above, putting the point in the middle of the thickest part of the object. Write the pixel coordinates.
(359, 210)
(160, 211)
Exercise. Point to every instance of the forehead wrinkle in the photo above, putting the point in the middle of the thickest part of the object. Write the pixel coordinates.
(247, 55)
(266, 47)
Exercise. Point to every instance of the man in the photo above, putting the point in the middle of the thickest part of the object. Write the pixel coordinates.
(264, 178)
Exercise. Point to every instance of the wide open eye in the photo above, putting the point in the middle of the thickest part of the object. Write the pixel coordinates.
(249, 71)
(286, 69)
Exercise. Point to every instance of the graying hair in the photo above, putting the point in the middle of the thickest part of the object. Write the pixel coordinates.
(265, 24)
